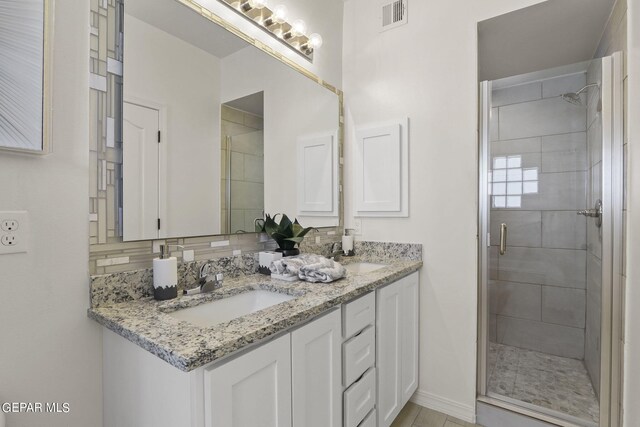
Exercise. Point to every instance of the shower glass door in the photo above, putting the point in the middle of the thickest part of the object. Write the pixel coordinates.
(545, 199)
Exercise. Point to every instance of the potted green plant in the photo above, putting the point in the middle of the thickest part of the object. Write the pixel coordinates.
(287, 234)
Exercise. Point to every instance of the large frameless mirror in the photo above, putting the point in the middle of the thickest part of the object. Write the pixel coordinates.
(210, 127)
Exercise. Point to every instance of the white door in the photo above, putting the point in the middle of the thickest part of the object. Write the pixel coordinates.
(388, 350)
(252, 390)
(409, 350)
(140, 172)
(317, 372)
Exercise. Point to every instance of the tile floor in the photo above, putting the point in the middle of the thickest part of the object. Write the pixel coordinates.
(552, 382)
(413, 415)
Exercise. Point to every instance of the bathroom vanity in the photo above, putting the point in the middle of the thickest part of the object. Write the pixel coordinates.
(257, 351)
(338, 354)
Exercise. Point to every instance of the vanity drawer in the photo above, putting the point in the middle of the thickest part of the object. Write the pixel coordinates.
(370, 421)
(359, 399)
(358, 314)
(358, 355)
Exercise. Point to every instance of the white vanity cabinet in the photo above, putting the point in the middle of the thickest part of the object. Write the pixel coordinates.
(253, 389)
(292, 380)
(353, 366)
(317, 372)
(359, 360)
(396, 346)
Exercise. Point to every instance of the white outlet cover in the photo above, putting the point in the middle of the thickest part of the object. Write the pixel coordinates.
(188, 256)
(14, 227)
(156, 245)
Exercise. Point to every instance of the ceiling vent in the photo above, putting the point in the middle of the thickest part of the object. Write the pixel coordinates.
(394, 14)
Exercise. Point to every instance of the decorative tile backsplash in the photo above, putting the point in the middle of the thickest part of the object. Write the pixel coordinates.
(108, 253)
(125, 286)
(105, 137)
(128, 256)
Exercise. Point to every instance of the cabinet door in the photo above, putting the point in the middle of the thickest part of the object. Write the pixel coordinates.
(317, 372)
(388, 350)
(252, 390)
(409, 327)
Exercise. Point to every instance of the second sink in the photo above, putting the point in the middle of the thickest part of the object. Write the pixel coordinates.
(363, 267)
(229, 308)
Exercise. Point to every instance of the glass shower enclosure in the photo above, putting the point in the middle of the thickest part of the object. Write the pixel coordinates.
(549, 199)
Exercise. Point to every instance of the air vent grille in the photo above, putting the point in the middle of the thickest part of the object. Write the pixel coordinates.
(394, 14)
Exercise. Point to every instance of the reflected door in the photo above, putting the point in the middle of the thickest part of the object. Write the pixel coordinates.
(141, 219)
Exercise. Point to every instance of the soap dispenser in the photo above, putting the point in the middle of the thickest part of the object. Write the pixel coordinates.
(165, 275)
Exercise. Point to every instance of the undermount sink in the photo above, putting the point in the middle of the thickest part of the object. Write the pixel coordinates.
(229, 308)
(363, 267)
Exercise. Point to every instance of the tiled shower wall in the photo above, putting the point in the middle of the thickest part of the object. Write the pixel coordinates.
(538, 288)
(247, 169)
(107, 252)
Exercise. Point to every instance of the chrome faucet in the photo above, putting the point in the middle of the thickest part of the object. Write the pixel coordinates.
(207, 282)
(336, 251)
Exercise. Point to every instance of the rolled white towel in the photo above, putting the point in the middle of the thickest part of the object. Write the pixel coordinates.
(309, 267)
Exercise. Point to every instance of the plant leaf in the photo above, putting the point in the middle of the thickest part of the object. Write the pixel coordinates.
(270, 225)
(285, 222)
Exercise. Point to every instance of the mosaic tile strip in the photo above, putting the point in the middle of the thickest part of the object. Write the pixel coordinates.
(123, 285)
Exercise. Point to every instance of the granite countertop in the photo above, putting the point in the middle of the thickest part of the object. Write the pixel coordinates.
(146, 322)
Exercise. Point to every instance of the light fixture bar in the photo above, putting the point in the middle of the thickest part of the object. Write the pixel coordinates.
(274, 23)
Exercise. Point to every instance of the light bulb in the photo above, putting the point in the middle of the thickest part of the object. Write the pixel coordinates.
(315, 41)
(299, 27)
(280, 13)
(258, 4)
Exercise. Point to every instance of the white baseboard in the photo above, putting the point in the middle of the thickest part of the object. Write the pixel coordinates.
(442, 404)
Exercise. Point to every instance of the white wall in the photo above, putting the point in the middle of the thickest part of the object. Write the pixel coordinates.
(632, 323)
(294, 106)
(185, 80)
(427, 70)
(49, 350)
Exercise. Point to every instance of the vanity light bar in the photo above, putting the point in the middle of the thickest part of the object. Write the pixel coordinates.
(274, 22)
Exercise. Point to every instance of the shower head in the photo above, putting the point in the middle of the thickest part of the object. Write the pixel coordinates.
(574, 97)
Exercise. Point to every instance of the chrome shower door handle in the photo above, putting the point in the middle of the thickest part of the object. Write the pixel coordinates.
(596, 213)
(503, 239)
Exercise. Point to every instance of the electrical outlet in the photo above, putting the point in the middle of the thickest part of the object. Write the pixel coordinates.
(14, 232)
(9, 240)
(9, 225)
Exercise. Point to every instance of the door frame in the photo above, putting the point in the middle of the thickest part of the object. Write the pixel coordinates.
(163, 205)
(484, 140)
(612, 320)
